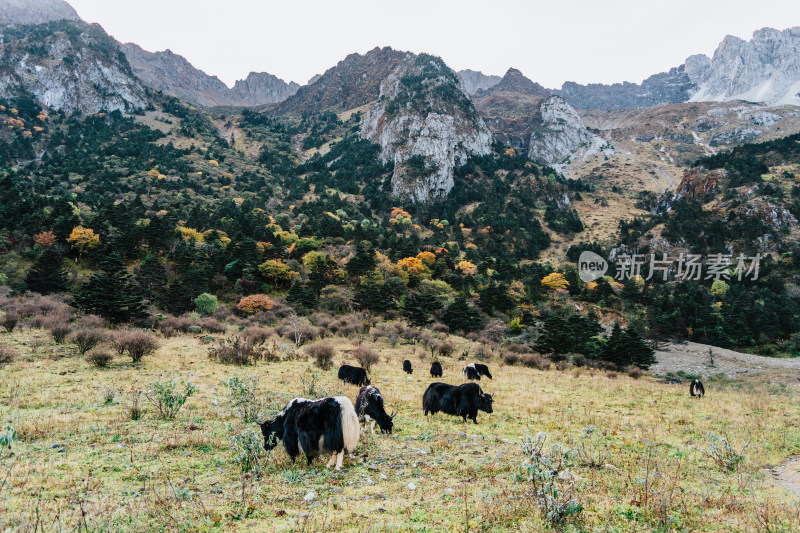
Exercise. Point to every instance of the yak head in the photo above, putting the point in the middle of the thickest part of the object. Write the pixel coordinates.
(387, 424)
(486, 400)
(272, 431)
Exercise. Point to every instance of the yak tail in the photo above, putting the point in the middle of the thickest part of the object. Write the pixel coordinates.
(345, 430)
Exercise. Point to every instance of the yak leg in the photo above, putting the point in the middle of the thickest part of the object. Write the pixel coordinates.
(372, 427)
(330, 463)
(309, 459)
(339, 460)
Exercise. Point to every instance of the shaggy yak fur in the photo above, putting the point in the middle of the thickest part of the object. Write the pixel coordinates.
(370, 409)
(312, 428)
(458, 400)
(407, 367)
(436, 369)
(696, 388)
(353, 375)
(475, 371)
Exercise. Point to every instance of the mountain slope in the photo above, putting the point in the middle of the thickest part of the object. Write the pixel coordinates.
(473, 81)
(764, 69)
(35, 11)
(69, 66)
(426, 126)
(353, 82)
(174, 75)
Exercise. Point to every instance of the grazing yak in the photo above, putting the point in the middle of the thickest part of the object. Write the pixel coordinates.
(475, 371)
(436, 369)
(696, 388)
(313, 427)
(458, 400)
(353, 375)
(369, 408)
(407, 367)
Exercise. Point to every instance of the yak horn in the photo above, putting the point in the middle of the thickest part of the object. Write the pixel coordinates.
(394, 414)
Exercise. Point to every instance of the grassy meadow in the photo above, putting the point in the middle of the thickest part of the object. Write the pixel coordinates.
(640, 454)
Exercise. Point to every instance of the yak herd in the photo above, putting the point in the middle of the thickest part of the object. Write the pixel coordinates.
(333, 425)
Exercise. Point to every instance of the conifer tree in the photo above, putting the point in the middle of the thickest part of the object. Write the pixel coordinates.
(419, 307)
(47, 275)
(110, 294)
(461, 316)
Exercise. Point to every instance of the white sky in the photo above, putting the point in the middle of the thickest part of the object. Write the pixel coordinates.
(551, 41)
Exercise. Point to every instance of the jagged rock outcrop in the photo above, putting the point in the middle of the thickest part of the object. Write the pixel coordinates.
(353, 82)
(561, 133)
(663, 88)
(525, 116)
(69, 66)
(261, 88)
(764, 69)
(426, 126)
(35, 11)
(173, 74)
(473, 81)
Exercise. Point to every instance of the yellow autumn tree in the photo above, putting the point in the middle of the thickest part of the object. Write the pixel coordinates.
(83, 239)
(412, 265)
(467, 268)
(429, 258)
(555, 281)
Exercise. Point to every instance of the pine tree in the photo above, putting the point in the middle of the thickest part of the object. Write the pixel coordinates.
(363, 261)
(110, 294)
(419, 307)
(151, 280)
(47, 276)
(461, 316)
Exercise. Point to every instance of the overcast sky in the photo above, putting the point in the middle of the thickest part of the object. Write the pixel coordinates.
(549, 41)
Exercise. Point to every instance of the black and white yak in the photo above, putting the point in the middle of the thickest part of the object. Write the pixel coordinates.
(436, 369)
(370, 409)
(696, 388)
(353, 375)
(314, 427)
(457, 400)
(407, 367)
(475, 371)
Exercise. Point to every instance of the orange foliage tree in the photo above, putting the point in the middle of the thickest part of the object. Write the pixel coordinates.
(255, 303)
(467, 268)
(555, 281)
(412, 265)
(45, 238)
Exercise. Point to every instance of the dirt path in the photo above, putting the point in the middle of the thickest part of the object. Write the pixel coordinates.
(787, 474)
(694, 358)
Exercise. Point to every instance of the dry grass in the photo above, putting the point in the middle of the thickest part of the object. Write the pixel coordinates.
(642, 469)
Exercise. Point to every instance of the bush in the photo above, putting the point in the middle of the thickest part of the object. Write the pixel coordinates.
(612, 374)
(92, 321)
(635, 372)
(100, 359)
(206, 304)
(248, 448)
(322, 354)
(297, 330)
(167, 399)
(243, 394)
(136, 342)
(58, 330)
(10, 320)
(580, 360)
(7, 354)
(212, 325)
(347, 325)
(235, 351)
(87, 338)
(510, 358)
(366, 356)
(256, 335)
(445, 348)
(723, 454)
(254, 303)
(535, 360)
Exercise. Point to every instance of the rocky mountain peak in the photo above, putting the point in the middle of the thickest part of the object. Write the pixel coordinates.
(764, 69)
(426, 125)
(353, 82)
(516, 82)
(35, 11)
(473, 81)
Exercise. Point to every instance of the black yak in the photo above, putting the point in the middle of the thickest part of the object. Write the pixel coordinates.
(312, 428)
(407, 367)
(369, 408)
(353, 375)
(458, 400)
(475, 371)
(436, 369)
(696, 388)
